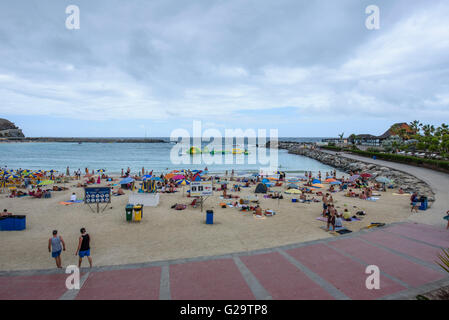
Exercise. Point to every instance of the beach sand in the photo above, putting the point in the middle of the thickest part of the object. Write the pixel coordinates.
(165, 233)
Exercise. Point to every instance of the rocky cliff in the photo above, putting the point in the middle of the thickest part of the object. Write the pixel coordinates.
(9, 129)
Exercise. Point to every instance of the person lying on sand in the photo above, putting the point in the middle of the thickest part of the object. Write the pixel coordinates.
(119, 192)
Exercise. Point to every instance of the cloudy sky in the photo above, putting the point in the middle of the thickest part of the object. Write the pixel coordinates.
(307, 68)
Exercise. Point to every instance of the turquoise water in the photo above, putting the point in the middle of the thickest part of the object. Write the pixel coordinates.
(116, 156)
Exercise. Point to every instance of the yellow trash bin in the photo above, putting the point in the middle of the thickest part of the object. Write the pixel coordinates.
(138, 212)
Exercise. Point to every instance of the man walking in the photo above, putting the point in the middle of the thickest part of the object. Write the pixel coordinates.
(55, 245)
(84, 247)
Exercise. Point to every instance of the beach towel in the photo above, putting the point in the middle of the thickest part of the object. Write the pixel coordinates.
(374, 225)
(67, 203)
(324, 219)
(343, 231)
(372, 199)
(403, 194)
(331, 229)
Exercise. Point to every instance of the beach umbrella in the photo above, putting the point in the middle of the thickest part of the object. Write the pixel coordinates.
(45, 182)
(156, 178)
(292, 186)
(329, 180)
(335, 182)
(11, 177)
(127, 180)
(365, 175)
(147, 176)
(316, 181)
(183, 182)
(293, 191)
(317, 185)
(179, 177)
(383, 180)
(169, 175)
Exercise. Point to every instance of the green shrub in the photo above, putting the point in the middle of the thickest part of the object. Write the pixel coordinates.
(441, 164)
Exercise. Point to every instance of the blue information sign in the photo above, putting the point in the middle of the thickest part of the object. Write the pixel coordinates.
(97, 195)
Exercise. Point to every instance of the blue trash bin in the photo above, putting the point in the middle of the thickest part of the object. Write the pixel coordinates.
(2, 223)
(424, 204)
(19, 223)
(9, 224)
(209, 217)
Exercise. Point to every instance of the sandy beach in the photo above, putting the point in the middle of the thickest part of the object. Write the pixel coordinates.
(165, 233)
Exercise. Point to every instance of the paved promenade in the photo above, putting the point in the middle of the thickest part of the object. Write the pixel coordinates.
(438, 181)
(332, 268)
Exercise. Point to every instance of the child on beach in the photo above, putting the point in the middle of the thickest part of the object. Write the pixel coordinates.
(55, 245)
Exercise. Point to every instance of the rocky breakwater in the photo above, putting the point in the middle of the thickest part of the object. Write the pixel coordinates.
(407, 182)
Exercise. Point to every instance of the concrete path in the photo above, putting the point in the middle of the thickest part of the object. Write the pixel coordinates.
(332, 268)
(438, 182)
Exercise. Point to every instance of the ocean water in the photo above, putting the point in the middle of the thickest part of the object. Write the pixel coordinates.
(116, 156)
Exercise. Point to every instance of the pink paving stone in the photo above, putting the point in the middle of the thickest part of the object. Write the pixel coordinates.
(37, 287)
(282, 279)
(394, 265)
(208, 280)
(139, 284)
(344, 273)
(426, 227)
(419, 234)
(409, 247)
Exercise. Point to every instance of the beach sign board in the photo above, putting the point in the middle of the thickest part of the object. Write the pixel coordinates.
(201, 188)
(97, 195)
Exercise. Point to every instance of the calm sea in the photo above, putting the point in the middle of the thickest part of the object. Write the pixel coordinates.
(116, 156)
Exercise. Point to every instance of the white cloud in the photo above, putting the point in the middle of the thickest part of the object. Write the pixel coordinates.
(207, 62)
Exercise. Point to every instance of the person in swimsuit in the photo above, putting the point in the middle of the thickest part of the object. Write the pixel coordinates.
(325, 203)
(84, 247)
(55, 245)
(331, 218)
